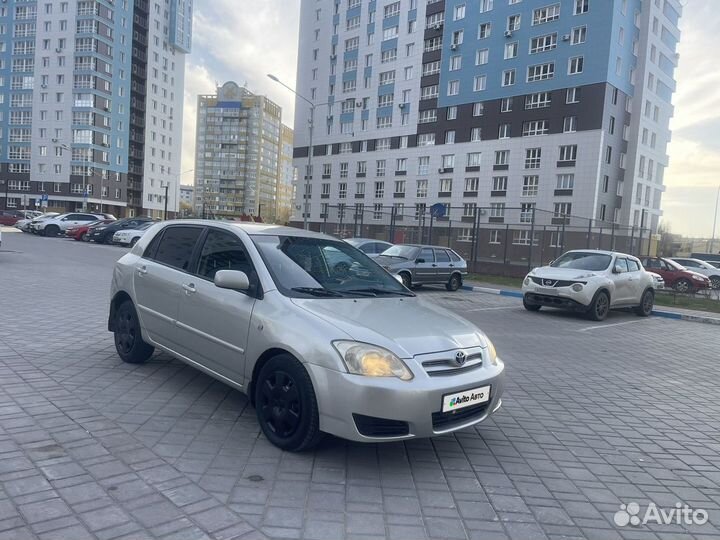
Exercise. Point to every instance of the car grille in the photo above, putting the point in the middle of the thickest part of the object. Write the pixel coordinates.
(547, 282)
(371, 426)
(446, 420)
(449, 366)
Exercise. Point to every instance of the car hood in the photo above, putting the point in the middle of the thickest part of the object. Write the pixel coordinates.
(384, 260)
(406, 326)
(697, 275)
(563, 273)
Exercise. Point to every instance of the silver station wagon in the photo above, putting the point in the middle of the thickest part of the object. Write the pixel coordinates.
(421, 264)
(318, 346)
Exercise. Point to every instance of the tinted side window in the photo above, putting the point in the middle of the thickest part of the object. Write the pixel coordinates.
(633, 265)
(222, 251)
(368, 248)
(427, 254)
(176, 246)
(621, 264)
(441, 256)
(454, 256)
(652, 263)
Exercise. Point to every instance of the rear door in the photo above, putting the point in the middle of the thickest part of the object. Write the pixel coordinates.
(425, 266)
(442, 262)
(158, 280)
(213, 323)
(638, 281)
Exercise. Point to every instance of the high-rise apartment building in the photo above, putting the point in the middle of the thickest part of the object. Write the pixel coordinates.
(557, 105)
(238, 154)
(91, 103)
(286, 177)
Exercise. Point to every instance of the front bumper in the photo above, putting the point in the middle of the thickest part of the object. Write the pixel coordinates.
(345, 401)
(560, 297)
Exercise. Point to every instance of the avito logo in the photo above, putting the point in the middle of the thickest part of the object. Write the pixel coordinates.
(454, 402)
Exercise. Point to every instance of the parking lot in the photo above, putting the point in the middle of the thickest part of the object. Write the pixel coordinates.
(595, 415)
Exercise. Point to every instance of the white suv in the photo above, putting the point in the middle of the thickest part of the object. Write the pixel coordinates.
(592, 282)
(54, 226)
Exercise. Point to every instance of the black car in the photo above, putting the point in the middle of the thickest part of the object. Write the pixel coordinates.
(103, 234)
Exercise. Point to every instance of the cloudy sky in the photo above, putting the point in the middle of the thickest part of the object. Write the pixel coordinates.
(243, 40)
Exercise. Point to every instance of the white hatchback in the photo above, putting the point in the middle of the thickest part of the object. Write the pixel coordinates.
(592, 282)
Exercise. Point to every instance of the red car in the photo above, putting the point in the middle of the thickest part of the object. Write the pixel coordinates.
(11, 217)
(79, 232)
(676, 277)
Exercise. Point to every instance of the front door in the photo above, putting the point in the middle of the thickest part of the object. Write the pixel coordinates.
(425, 266)
(214, 322)
(157, 282)
(623, 282)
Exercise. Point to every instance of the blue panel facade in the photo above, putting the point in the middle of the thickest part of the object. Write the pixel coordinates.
(181, 24)
(597, 51)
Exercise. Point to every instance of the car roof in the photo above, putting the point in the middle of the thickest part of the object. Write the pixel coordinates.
(366, 240)
(254, 229)
(425, 246)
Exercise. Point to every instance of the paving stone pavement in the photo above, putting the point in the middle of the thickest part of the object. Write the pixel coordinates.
(594, 415)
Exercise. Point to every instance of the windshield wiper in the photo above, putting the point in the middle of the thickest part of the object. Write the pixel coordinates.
(394, 256)
(318, 291)
(377, 291)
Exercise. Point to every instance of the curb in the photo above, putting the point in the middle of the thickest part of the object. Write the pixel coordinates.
(674, 315)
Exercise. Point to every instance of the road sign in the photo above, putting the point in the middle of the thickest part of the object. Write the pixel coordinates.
(438, 210)
(44, 197)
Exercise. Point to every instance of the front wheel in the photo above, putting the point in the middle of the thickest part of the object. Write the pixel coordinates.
(85, 237)
(683, 286)
(129, 343)
(530, 307)
(51, 231)
(134, 241)
(285, 404)
(406, 281)
(646, 304)
(453, 283)
(600, 307)
(715, 282)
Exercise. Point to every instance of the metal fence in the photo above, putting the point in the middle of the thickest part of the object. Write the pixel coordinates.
(492, 239)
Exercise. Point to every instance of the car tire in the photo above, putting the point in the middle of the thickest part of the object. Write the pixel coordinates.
(85, 237)
(129, 344)
(647, 303)
(683, 286)
(599, 307)
(715, 282)
(51, 231)
(286, 406)
(530, 306)
(454, 283)
(406, 281)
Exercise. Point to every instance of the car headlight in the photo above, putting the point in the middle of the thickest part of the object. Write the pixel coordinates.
(371, 360)
(527, 280)
(492, 353)
(577, 287)
(698, 278)
(100, 228)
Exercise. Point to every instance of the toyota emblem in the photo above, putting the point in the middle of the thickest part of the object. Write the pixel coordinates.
(460, 358)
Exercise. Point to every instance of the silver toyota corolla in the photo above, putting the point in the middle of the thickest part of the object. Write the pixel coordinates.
(317, 346)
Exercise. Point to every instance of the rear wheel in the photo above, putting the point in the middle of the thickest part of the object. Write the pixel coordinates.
(715, 282)
(453, 283)
(600, 307)
(646, 304)
(285, 404)
(128, 337)
(51, 231)
(683, 285)
(530, 306)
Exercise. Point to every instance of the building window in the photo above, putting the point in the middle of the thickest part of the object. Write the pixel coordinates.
(478, 109)
(568, 152)
(426, 139)
(572, 95)
(445, 185)
(570, 124)
(497, 210)
(541, 72)
(401, 165)
(399, 187)
(506, 105)
(448, 161)
(532, 158)
(527, 211)
(538, 100)
(575, 65)
(579, 35)
(535, 127)
(606, 183)
(453, 88)
(379, 190)
(581, 6)
(458, 12)
(530, 186)
(494, 237)
(546, 14)
(472, 184)
(473, 159)
(484, 30)
(380, 167)
(455, 62)
(502, 157)
(504, 131)
(511, 50)
(499, 183)
(608, 155)
(481, 56)
(421, 189)
(508, 77)
(343, 170)
(565, 181)
(543, 43)
(451, 113)
(479, 83)
(563, 209)
(475, 134)
(513, 23)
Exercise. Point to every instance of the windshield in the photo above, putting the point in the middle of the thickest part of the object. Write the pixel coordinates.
(594, 262)
(404, 252)
(319, 267)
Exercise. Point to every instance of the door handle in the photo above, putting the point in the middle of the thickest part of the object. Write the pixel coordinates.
(142, 270)
(434, 265)
(189, 288)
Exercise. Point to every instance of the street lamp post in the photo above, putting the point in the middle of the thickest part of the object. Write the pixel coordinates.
(717, 203)
(166, 185)
(311, 127)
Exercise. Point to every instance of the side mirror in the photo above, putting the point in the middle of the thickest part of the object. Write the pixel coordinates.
(232, 279)
(617, 270)
(419, 261)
